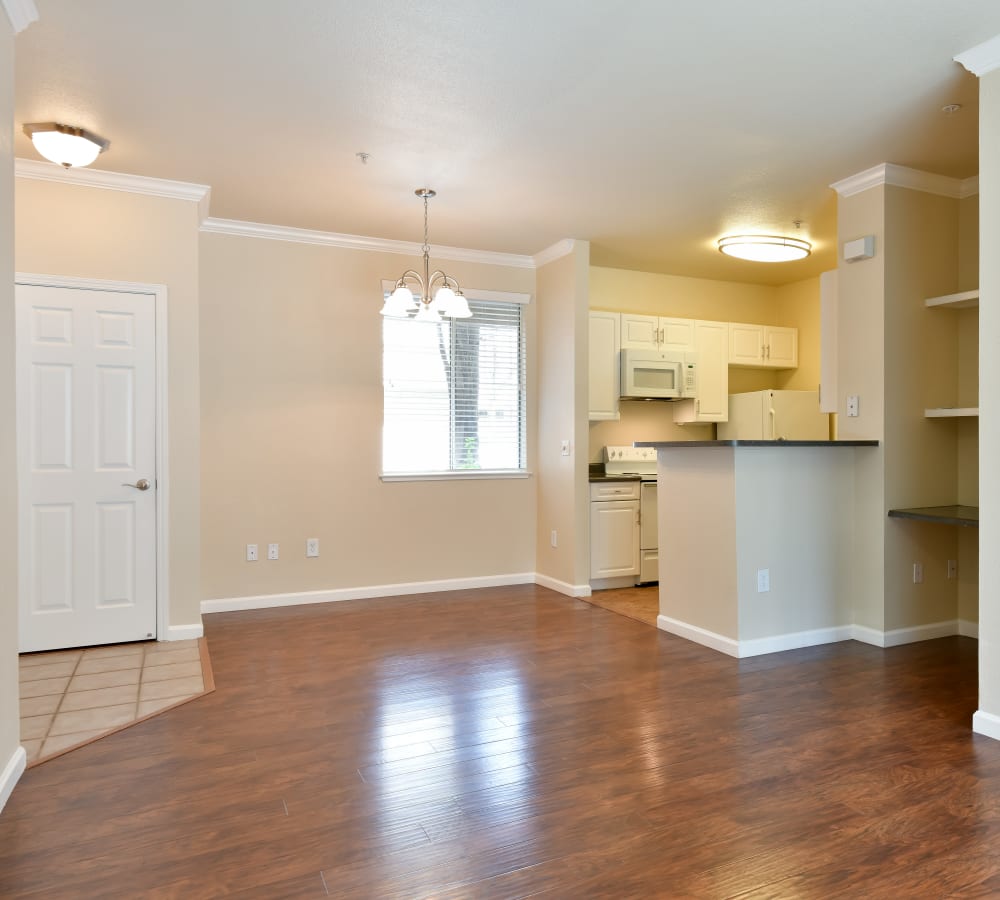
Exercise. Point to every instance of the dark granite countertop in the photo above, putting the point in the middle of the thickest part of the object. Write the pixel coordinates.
(966, 516)
(599, 477)
(662, 445)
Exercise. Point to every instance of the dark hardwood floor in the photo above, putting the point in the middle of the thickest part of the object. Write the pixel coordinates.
(510, 742)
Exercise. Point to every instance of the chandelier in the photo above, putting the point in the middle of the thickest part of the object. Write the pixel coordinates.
(432, 295)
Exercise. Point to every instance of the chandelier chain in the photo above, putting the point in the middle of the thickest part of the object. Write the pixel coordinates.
(427, 247)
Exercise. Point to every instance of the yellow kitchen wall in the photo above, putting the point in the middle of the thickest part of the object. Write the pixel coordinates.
(291, 408)
(9, 721)
(73, 230)
(794, 305)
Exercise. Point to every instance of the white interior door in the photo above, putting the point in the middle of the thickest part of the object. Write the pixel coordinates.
(86, 420)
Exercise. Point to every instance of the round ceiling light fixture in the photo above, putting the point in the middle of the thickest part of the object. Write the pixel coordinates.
(65, 144)
(764, 247)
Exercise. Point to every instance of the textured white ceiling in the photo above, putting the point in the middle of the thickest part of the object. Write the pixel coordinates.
(647, 127)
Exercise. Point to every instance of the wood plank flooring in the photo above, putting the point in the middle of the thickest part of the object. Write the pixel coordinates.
(511, 742)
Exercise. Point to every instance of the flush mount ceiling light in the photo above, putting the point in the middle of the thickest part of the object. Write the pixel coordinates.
(765, 247)
(436, 294)
(65, 144)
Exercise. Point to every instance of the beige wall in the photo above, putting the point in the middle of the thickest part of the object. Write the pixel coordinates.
(989, 399)
(794, 509)
(86, 232)
(698, 576)
(562, 490)
(921, 370)
(794, 305)
(291, 400)
(9, 725)
(860, 368)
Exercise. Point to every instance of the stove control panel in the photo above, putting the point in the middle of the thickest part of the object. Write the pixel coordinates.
(630, 454)
(630, 460)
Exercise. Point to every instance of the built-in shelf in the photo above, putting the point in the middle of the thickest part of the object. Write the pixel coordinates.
(965, 516)
(951, 412)
(964, 300)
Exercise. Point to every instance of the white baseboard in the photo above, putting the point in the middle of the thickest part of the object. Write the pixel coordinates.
(699, 635)
(270, 601)
(563, 587)
(987, 724)
(10, 775)
(968, 629)
(184, 632)
(868, 635)
(793, 641)
(916, 633)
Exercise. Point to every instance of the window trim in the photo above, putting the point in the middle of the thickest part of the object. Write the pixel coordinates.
(517, 297)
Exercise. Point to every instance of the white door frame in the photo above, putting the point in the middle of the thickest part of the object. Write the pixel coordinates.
(158, 294)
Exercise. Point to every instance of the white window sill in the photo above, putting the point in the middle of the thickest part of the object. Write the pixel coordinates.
(471, 475)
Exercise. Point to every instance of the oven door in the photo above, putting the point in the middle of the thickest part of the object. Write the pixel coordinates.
(649, 556)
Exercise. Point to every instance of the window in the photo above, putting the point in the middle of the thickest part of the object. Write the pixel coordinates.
(454, 393)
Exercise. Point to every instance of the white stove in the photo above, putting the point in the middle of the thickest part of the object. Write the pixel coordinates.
(631, 461)
(640, 461)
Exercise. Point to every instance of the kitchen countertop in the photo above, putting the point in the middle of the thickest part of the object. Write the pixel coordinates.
(597, 478)
(662, 445)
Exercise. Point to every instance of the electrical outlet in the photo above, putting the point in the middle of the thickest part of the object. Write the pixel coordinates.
(251, 553)
(853, 405)
(312, 546)
(918, 573)
(763, 581)
(952, 568)
(564, 448)
(554, 538)
(272, 551)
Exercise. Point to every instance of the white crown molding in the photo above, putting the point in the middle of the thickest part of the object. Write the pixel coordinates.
(983, 58)
(361, 242)
(557, 250)
(116, 181)
(901, 176)
(21, 13)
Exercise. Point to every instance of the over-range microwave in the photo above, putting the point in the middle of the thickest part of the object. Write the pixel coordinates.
(649, 374)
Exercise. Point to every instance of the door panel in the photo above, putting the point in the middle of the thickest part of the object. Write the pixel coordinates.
(86, 416)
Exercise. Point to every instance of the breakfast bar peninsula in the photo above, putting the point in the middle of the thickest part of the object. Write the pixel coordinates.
(756, 541)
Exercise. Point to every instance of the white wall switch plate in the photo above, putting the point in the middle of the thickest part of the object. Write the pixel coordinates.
(555, 538)
(564, 448)
(251, 553)
(763, 581)
(312, 546)
(272, 551)
(918, 573)
(952, 568)
(853, 404)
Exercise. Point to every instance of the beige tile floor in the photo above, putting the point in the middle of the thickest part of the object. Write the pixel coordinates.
(69, 697)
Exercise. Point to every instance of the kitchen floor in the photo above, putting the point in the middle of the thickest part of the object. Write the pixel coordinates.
(72, 697)
(639, 603)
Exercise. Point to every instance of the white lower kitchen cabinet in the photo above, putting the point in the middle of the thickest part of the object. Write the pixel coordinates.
(712, 405)
(614, 530)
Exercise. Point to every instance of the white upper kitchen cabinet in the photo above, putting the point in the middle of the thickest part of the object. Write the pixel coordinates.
(763, 346)
(604, 370)
(711, 340)
(656, 333)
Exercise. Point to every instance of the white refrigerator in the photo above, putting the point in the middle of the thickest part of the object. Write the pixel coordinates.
(775, 415)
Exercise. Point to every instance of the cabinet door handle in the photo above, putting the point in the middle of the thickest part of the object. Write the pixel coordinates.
(768, 351)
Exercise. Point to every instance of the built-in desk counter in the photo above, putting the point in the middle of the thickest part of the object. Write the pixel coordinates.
(757, 541)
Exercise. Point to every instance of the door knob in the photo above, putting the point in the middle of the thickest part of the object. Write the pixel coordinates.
(141, 485)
